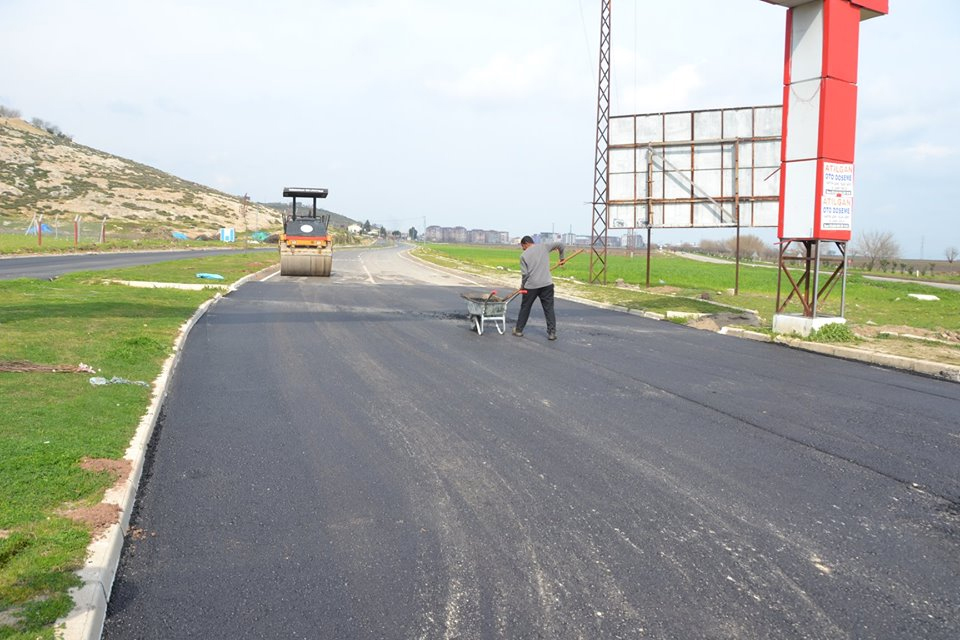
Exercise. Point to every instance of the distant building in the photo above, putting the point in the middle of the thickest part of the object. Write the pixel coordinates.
(546, 236)
(460, 235)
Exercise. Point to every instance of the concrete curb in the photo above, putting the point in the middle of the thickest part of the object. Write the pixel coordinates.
(948, 372)
(170, 285)
(85, 621)
(939, 370)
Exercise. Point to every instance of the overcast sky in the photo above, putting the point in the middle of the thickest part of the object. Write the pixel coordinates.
(448, 112)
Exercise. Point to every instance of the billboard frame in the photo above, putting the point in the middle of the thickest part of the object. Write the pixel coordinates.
(714, 202)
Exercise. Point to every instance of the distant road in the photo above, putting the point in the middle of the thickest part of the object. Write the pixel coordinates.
(50, 266)
(923, 283)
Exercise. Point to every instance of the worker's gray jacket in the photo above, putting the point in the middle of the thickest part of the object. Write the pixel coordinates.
(535, 265)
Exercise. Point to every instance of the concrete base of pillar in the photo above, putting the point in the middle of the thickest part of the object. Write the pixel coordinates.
(787, 323)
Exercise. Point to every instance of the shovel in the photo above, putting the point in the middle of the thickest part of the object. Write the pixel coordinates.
(567, 259)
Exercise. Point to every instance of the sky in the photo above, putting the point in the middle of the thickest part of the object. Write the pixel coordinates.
(479, 114)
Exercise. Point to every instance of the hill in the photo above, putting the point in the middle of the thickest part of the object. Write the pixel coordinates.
(303, 205)
(50, 175)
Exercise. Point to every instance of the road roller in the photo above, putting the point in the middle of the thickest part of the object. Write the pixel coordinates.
(306, 247)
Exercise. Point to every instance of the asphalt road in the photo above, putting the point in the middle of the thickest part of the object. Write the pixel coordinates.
(48, 266)
(343, 458)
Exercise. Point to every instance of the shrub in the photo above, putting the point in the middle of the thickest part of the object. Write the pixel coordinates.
(833, 332)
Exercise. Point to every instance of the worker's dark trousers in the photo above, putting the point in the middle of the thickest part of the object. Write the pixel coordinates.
(546, 299)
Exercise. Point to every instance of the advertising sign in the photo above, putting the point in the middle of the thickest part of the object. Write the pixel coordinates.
(695, 169)
(837, 179)
(836, 213)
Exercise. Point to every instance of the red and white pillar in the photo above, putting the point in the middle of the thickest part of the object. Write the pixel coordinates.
(820, 116)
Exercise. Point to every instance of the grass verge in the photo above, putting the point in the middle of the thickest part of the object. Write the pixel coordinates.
(51, 422)
(682, 284)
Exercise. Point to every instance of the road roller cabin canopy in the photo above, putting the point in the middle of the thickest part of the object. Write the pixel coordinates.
(291, 192)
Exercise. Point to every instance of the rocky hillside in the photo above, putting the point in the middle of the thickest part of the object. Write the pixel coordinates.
(47, 174)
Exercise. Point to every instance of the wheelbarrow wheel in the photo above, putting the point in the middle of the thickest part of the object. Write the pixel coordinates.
(477, 326)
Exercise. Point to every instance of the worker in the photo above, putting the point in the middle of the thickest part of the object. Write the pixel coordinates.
(535, 278)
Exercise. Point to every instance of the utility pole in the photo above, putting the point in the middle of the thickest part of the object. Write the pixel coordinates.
(598, 231)
(243, 211)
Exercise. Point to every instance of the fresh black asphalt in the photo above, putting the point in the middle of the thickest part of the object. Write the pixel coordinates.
(340, 459)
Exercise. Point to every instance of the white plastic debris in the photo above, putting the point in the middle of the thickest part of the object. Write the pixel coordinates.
(99, 381)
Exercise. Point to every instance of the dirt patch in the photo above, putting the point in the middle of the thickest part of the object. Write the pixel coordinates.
(119, 469)
(873, 331)
(917, 349)
(99, 517)
(136, 533)
(664, 290)
(716, 321)
(10, 618)
(941, 346)
(25, 366)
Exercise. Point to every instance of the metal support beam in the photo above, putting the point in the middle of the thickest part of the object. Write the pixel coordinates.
(598, 229)
(807, 289)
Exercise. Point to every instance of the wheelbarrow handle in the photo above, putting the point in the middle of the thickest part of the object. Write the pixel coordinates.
(514, 294)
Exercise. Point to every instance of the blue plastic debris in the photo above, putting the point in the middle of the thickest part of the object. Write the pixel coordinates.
(210, 276)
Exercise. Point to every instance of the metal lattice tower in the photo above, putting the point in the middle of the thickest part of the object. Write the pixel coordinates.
(598, 233)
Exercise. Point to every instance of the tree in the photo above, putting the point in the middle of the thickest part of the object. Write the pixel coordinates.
(50, 128)
(366, 226)
(412, 233)
(7, 112)
(951, 253)
(752, 247)
(877, 245)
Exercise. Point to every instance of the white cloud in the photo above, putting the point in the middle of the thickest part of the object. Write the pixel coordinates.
(880, 127)
(670, 91)
(504, 78)
(928, 151)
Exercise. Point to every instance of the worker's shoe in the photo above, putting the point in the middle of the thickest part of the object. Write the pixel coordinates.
(552, 335)
(518, 332)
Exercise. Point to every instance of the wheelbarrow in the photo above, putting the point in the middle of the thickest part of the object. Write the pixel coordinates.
(487, 307)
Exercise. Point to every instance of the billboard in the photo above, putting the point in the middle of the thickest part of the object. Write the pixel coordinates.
(695, 169)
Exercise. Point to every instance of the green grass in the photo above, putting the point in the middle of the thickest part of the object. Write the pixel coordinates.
(885, 303)
(19, 244)
(49, 422)
(185, 271)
